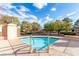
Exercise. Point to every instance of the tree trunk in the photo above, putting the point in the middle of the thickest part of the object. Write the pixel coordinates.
(58, 32)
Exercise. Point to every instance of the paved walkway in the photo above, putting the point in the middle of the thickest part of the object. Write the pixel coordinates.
(60, 48)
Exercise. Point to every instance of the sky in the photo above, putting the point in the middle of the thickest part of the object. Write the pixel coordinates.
(41, 12)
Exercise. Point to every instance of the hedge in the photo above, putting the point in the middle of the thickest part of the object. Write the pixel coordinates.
(68, 33)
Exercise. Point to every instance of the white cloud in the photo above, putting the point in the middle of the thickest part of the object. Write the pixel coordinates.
(22, 14)
(7, 6)
(6, 10)
(40, 5)
(1, 4)
(10, 13)
(71, 14)
(53, 9)
(32, 18)
(60, 17)
(23, 9)
(48, 19)
(2, 12)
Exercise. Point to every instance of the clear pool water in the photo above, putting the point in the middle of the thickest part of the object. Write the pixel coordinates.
(39, 43)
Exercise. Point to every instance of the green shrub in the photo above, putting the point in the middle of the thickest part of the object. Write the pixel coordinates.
(68, 33)
(23, 33)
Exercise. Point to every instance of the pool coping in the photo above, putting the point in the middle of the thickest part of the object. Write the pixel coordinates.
(41, 36)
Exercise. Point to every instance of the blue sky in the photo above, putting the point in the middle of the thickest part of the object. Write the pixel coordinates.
(41, 12)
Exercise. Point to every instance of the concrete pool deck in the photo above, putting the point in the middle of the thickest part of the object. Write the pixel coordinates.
(15, 47)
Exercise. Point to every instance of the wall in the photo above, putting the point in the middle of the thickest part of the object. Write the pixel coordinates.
(4, 31)
(0, 30)
(11, 31)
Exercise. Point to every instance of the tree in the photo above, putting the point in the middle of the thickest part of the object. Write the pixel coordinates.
(26, 26)
(9, 19)
(16, 21)
(35, 26)
(54, 26)
(67, 20)
(58, 26)
(67, 24)
(76, 24)
(49, 27)
(64, 25)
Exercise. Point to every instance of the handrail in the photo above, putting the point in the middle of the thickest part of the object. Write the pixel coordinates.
(31, 49)
(48, 43)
